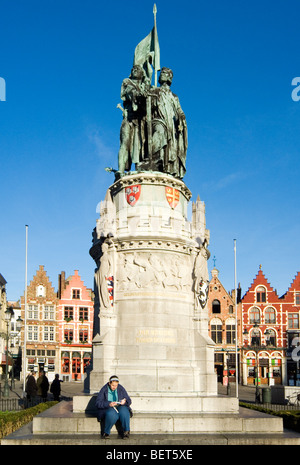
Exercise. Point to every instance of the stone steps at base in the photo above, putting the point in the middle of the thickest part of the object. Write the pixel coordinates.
(60, 419)
(24, 436)
(60, 426)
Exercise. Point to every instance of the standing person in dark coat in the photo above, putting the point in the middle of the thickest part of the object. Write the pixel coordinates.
(31, 386)
(55, 388)
(43, 385)
(113, 403)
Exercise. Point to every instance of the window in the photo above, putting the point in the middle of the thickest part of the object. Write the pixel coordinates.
(216, 330)
(40, 291)
(216, 306)
(255, 337)
(76, 294)
(68, 334)
(49, 333)
(270, 337)
(254, 315)
(68, 313)
(230, 309)
(83, 313)
(230, 332)
(83, 335)
(49, 312)
(261, 294)
(32, 333)
(33, 313)
(293, 320)
(270, 316)
(51, 353)
(297, 298)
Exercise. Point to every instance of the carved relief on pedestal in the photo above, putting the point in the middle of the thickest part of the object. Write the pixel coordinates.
(153, 270)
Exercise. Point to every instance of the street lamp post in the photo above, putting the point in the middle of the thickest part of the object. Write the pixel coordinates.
(8, 314)
(257, 340)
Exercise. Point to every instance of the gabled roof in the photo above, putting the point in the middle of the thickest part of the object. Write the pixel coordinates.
(260, 280)
(295, 286)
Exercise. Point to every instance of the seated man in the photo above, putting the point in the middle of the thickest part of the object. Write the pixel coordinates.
(113, 405)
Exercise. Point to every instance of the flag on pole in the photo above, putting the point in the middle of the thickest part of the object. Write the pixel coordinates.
(147, 52)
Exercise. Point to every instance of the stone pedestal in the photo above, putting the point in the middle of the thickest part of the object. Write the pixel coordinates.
(150, 286)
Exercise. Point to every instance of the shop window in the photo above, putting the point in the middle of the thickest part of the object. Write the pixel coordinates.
(86, 360)
(76, 363)
(65, 362)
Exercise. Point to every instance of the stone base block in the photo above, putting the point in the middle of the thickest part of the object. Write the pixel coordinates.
(61, 419)
(149, 402)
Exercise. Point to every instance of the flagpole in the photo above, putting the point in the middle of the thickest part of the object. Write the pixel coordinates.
(155, 32)
(236, 328)
(25, 313)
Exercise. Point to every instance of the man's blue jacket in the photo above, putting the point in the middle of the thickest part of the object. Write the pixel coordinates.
(102, 402)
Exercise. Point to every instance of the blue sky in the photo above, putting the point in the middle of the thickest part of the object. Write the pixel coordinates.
(63, 63)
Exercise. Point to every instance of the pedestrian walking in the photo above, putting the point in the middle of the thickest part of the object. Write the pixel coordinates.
(42, 385)
(31, 387)
(55, 388)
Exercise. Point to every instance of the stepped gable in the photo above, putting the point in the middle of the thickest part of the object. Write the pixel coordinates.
(260, 280)
(75, 282)
(41, 278)
(216, 281)
(294, 287)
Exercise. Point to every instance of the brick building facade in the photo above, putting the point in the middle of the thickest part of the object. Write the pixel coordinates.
(75, 326)
(264, 325)
(222, 322)
(268, 332)
(42, 343)
(59, 326)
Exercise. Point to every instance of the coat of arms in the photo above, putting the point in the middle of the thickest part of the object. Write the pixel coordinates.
(133, 194)
(172, 195)
(203, 293)
(110, 288)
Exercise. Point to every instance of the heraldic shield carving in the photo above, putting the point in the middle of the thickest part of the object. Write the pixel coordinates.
(132, 194)
(172, 195)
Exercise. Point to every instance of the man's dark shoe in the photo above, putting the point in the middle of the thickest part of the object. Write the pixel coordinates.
(105, 436)
(126, 435)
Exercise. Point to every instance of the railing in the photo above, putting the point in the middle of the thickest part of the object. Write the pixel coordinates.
(278, 407)
(9, 404)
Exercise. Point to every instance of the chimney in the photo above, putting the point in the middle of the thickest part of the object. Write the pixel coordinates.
(61, 283)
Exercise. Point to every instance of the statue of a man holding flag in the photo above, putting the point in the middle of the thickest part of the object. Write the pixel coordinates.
(159, 124)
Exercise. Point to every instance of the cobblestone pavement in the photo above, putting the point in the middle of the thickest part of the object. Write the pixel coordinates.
(70, 389)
